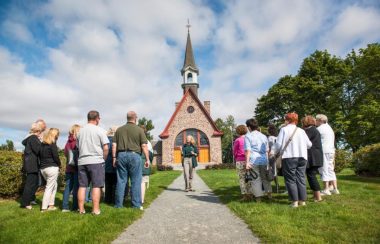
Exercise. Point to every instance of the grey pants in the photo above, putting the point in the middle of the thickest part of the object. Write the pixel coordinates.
(295, 179)
(262, 180)
(188, 172)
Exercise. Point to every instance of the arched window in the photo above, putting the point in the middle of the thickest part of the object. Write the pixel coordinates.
(200, 138)
(189, 78)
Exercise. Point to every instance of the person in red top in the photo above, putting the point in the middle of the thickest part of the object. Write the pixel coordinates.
(239, 156)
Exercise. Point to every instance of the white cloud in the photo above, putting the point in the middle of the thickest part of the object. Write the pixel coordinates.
(355, 27)
(16, 31)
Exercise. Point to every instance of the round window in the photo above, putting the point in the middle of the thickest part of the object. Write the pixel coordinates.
(190, 109)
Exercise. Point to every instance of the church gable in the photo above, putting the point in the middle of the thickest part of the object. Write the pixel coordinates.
(190, 113)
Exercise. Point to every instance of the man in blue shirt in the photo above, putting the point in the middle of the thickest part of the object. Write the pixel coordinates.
(256, 157)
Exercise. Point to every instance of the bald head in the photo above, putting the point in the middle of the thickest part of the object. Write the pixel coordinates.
(41, 123)
(131, 116)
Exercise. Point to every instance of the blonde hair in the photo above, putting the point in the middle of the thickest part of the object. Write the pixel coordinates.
(51, 136)
(74, 130)
(112, 130)
(35, 128)
(192, 141)
(322, 117)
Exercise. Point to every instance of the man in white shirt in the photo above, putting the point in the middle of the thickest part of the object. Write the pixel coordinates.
(328, 147)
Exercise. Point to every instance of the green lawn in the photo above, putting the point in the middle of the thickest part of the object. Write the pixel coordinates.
(22, 226)
(351, 217)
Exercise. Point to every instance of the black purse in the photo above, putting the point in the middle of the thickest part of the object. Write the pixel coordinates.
(250, 175)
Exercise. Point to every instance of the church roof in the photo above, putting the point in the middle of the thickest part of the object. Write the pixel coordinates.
(189, 92)
(189, 61)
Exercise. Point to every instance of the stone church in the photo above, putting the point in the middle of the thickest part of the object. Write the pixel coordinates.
(191, 117)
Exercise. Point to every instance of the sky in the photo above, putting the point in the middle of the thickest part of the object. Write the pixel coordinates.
(60, 59)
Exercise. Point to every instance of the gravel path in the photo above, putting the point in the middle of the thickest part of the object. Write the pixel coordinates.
(194, 217)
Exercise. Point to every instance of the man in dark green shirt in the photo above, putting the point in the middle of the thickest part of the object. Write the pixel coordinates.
(129, 141)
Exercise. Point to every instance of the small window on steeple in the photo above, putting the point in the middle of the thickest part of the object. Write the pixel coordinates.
(189, 78)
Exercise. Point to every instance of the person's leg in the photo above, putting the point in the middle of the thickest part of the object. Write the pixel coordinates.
(68, 188)
(135, 171)
(31, 182)
(257, 183)
(191, 174)
(54, 178)
(289, 170)
(108, 189)
(96, 194)
(301, 180)
(240, 170)
(97, 178)
(113, 185)
(186, 172)
(324, 171)
(143, 186)
(122, 177)
(83, 184)
(311, 174)
(75, 191)
(48, 176)
(81, 198)
(265, 180)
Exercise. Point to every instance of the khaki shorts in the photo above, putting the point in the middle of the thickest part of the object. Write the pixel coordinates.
(145, 179)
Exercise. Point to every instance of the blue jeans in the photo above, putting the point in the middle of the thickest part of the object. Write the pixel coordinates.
(71, 185)
(129, 165)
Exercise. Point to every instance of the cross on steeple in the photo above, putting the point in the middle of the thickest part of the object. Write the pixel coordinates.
(188, 25)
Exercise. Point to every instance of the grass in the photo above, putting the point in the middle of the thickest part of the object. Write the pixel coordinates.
(351, 217)
(22, 226)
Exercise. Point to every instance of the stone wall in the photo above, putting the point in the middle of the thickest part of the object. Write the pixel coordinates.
(196, 120)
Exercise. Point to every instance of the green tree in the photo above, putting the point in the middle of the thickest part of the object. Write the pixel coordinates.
(8, 146)
(227, 126)
(346, 90)
(148, 124)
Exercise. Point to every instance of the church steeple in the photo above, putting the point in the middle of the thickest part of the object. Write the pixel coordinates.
(189, 70)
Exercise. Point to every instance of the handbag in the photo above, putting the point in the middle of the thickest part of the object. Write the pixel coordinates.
(250, 175)
(278, 157)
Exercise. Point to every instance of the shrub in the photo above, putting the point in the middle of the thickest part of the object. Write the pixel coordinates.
(220, 166)
(11, 179)
(163, 167)
(367, 160)
(343, 159)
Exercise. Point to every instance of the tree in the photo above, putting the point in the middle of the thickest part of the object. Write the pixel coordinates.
(227, 126)
(148, 124)
(8, 146)
(346, 90)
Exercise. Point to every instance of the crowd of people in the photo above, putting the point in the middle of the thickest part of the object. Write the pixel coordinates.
(95, 158)
(298, 153)
(102, 163)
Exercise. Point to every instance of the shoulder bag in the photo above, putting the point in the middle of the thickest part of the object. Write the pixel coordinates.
(278, 157)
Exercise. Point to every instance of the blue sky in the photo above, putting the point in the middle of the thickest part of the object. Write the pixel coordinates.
(59, 59)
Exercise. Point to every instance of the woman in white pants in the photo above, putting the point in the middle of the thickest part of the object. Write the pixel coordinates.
(49, 164)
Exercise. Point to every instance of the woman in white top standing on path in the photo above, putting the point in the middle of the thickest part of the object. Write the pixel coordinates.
(294, 158)
(328, 147)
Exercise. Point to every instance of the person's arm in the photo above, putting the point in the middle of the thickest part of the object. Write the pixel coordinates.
(145, 150)
(235, 148)
(247, 151)
(55, 155)
(195, 153)
(114, 146)
(105, 151)
(35, 145)
(308, 142)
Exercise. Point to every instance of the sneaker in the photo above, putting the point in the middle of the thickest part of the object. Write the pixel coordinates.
(96, 213)
(66, 211)
(141, 208)
(33, 203)
(84, 212)
(28, 207)
(302, 203)
(294, 205)
(335, 191)
(325, 193)
(52, 208)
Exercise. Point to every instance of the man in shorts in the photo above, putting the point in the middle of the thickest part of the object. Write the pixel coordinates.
(92, 142)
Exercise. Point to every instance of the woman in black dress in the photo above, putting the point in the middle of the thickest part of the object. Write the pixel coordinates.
(314, 155)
